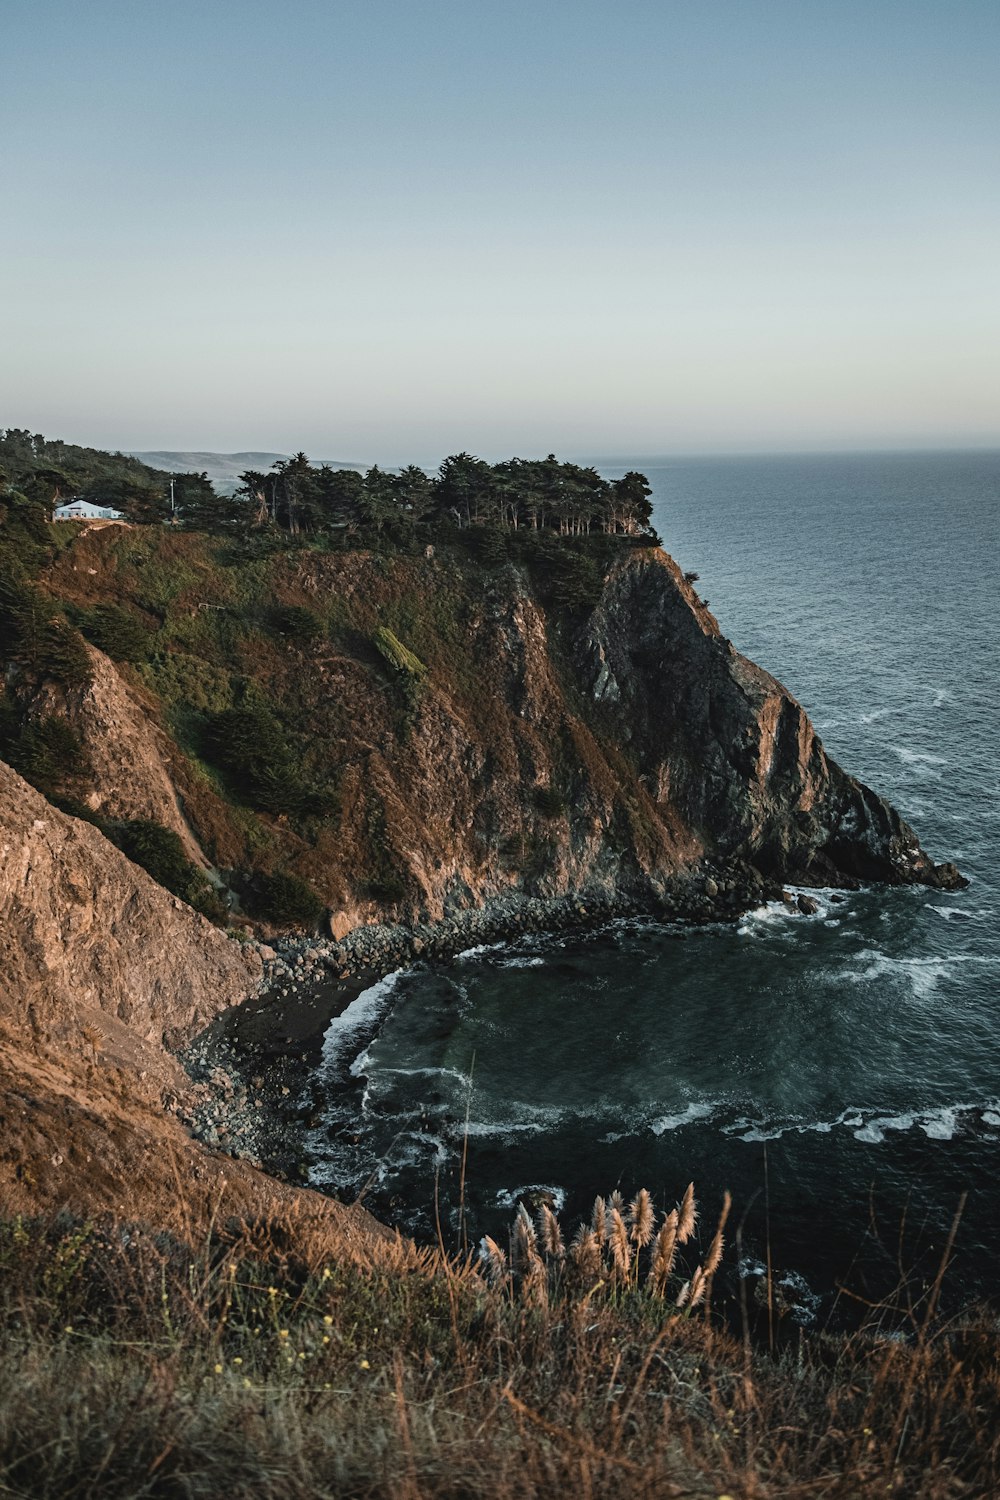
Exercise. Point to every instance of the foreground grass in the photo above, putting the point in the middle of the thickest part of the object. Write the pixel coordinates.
(264, 1365)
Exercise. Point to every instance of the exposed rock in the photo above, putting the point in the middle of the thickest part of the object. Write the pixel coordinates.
(87, 938)
(734, 766)
(129, 753)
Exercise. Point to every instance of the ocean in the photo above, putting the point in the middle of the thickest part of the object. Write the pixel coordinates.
(837, 1073)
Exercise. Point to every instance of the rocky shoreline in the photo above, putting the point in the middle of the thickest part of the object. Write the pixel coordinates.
(252, 1066)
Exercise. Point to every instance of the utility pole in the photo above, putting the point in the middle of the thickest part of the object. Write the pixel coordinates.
(171, 498)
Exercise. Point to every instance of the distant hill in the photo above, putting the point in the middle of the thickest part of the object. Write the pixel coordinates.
(223, 469)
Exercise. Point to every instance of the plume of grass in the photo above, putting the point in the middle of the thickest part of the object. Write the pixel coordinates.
(535, 1284)
(585, 1254)
(621, 1249)
(524, 1249)
(687, 1217)
(697, 1286)
(664, 1253)
(549, 1233)
(599, 1219)
(494, 1261)
(714, 1255)
(616, 1201)
(641, 1219)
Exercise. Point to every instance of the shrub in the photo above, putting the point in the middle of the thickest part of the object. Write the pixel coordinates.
(397, 655)
(250, 745)
(568, 573)
(295, 622)
(31, 630)
(283, 898)
(161, 854)
(410, 672)
(48, 752)
(117, 633)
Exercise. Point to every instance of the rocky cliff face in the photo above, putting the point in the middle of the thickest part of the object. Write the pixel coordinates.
(127, 750)
(722, 746)
(619, 750)
(88, 940)
(535, 752)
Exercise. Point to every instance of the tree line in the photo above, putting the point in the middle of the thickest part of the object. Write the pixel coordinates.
(300, 499)
(534, 494)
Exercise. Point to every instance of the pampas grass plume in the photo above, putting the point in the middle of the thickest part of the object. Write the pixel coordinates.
(585, 1253)
(641, 1219)
(494, 1261)
(664, 1252)
(687, 1217)
(621, 1250)
(549, 1232)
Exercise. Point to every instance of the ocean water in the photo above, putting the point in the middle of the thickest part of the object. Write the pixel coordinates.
(840, 1073)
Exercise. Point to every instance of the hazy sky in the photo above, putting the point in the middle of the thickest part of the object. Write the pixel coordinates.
(383, 230)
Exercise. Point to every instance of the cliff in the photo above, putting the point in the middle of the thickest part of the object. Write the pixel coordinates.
(723, 747)
(87, 939)
(415, 735)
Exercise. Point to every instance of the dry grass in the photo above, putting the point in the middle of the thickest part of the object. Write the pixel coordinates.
(264, 1365)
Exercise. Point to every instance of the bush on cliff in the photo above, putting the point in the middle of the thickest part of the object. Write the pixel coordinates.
(250, 745)
(35, 634)
(117, 633)
(46, 751)
(284, 899)
(161, 854)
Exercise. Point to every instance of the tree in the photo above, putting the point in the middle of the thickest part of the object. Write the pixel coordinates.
(631, 504)
(196, 504)
(463, 487)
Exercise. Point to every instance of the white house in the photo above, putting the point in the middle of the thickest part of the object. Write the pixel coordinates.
(82, 510)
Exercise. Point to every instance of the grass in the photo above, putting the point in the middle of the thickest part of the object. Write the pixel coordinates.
(283, 1362)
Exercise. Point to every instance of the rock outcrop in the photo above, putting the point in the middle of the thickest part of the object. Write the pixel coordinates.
(88, 939)
(127, 750)
(727, 750)
(614, 751)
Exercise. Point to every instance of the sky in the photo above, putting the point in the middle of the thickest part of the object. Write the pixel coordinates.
(384, 231)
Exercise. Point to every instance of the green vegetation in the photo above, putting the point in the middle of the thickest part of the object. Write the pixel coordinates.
(252, 748)
(398, 510)
(296, 623)
(376, 508)
(292, 1360)
(117, 633)
(161, 854)
(283, 899)
(34, 632)
(47, 751)
(45, 472)
(397, 655)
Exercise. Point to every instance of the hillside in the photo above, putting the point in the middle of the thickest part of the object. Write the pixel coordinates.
(222, 469)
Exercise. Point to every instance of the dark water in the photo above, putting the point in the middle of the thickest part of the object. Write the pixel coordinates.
(859, 1048)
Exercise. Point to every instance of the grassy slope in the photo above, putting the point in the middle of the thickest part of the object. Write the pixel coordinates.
(269, 1363)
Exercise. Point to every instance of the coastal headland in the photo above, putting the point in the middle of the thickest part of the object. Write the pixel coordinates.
(243, 777)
